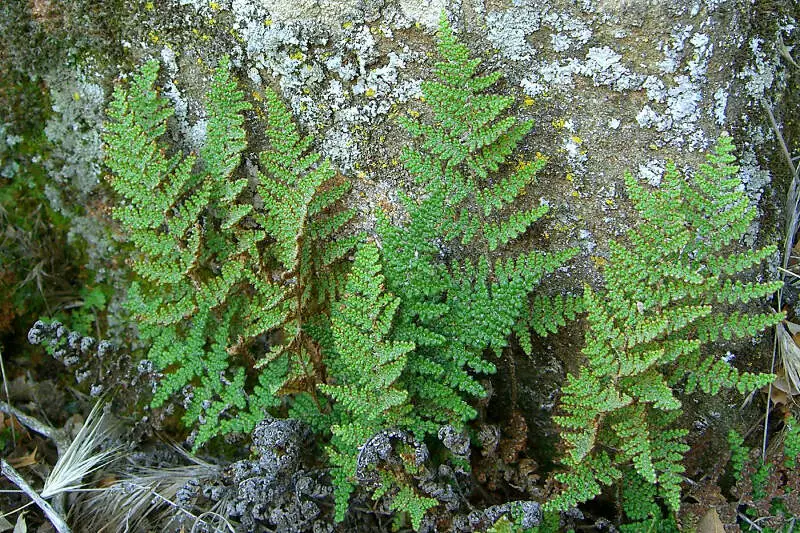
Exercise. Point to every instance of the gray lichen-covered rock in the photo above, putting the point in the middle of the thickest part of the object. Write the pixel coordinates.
(613, 86)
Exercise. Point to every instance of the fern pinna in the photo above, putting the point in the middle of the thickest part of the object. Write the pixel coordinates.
(454, 310)
(667, 293)
(215, 273)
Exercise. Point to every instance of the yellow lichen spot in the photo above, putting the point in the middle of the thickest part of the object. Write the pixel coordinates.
(395, 162)
(149, 6)
(369, 93)
(570, 177)
(215, 6)
(382, 139)
(297, 56)
(205, 37)
(576, 139)
(414, 113)
(576, 194)
(153, 37)
(257, 96)
(560, 226)
(211, 21)
(347, 25)
(653, 146)
(529, 101)
(610, 201)
(199, 60)
(76, 96)
(559, 123)
(599, 261)
(522, 165)
(546, 235)
(268, 22)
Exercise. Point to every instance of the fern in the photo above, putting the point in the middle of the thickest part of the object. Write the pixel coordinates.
(453, 310)
(366, 397)
(215, 272)
(739, 453)
(406, 500)
(791, 443)
(667, 293)
(190, 297)
(301, 195)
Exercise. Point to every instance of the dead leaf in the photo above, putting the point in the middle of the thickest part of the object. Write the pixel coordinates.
(788, 333)
(106, 482)
(25, 460)
(782, 384)
(779, 397)
(21, 526)
(710, 523)
(782, 390)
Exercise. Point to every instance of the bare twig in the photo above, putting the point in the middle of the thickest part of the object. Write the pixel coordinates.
(56, 435)
(752, 524)
(778, 134)
(13, 476)
(8, 398)
(792, 219)
(784, 271)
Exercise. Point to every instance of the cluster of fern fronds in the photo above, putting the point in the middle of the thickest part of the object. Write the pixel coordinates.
(668, 293)
(256, 300)
(216, 275)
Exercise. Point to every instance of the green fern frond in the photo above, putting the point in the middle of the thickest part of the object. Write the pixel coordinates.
(301, 195)
(367, 396)
(454, 309)
(208, 282)
(661, 303)
(408, 501)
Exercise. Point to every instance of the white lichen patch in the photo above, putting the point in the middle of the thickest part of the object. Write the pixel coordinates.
(605, 68)
(290, 10)
(652, 171)
(759, 75)
(720, 103)
(78, 103)
(677, 104)
(508, 31)
(424, 12)
(331, 72)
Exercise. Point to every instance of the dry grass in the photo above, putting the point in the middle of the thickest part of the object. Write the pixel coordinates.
(146, 499)
(81, 458)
